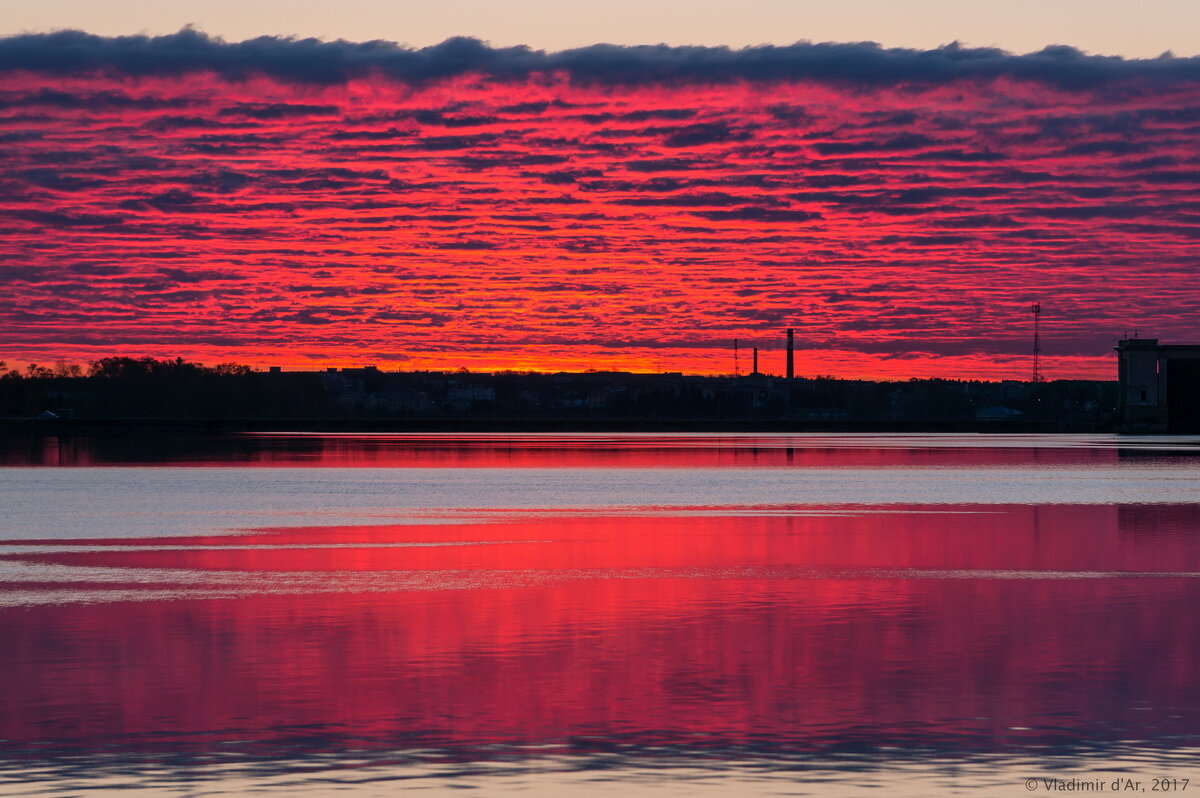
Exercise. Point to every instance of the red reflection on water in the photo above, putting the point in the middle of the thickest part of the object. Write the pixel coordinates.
(974, 537)
(831, 641)
(514, 450)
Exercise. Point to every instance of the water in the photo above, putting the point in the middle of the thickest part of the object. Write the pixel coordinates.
(599, 614)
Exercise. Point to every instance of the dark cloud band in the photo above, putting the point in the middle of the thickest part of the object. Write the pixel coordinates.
(321, 62)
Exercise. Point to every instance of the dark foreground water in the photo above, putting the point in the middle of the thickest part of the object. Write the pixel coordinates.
(600, 614)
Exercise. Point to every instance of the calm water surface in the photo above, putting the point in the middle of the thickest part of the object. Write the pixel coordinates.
(599, 614)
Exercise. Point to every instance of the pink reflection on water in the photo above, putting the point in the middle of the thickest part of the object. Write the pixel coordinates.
(517, 450)
(965, 628)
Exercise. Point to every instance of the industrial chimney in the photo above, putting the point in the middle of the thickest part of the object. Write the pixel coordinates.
(791, 357)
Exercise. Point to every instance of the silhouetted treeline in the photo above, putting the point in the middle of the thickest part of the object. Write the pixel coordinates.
(111, 367)
(148, 367)
(125, 387)
(131, 388)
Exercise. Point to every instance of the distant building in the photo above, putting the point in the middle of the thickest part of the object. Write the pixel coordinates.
(1158, 386)
(462, 398)
(997, 413)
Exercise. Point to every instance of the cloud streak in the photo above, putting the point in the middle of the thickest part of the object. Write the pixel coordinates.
(315, 61)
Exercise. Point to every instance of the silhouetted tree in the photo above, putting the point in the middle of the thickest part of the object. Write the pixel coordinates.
(64, 369)
(34, 371)
(230, 370)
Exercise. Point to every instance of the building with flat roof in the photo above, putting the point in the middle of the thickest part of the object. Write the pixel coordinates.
(1158, 386)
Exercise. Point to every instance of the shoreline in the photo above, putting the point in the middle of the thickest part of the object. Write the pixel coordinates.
(41, 427)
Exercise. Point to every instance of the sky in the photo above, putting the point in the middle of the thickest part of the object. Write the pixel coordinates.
(312, 203)
(1111, 27)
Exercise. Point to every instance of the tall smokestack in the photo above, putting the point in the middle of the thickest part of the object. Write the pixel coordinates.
(755, 361)
(791, 357)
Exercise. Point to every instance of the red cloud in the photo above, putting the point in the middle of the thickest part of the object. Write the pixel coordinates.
(542, 223)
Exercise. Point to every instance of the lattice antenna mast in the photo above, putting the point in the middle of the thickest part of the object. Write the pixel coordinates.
(737, 369)
(1036, 309)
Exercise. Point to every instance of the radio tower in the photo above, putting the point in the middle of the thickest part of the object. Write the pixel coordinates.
(737, 369)
(1036, 309)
